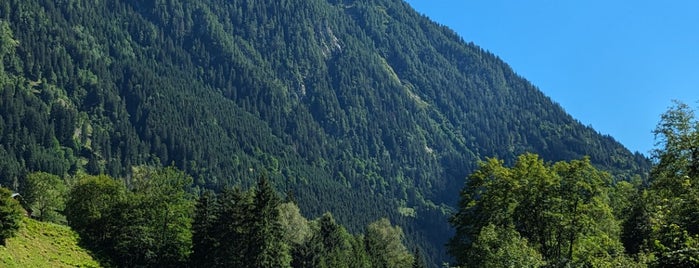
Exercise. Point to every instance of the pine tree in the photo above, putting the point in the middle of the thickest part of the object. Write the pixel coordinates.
(204, 238)
(267, 246)
(232, 229)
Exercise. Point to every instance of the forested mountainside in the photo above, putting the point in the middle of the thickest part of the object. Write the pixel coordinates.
(363, 108)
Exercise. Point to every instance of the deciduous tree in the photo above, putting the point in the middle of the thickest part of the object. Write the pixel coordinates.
(45, 194)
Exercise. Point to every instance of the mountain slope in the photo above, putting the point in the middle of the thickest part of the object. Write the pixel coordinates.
(42, 244)
(364, 108)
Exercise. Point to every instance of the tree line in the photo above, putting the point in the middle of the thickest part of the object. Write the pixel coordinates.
(154, 218)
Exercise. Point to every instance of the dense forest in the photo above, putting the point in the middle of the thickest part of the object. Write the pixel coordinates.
(531, 214)
(361, 108)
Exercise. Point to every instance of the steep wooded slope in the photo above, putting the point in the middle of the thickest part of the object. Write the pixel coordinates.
(364, 108)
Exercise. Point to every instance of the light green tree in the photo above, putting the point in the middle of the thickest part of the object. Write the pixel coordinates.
(481, 203)
(161, 209)
(384, 243)
(90, 210)
(295, 227)
(503, 247)
(562, 211)
(669, 219)
(45, 194)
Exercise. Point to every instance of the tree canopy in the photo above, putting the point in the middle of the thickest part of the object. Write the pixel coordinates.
(559, 212)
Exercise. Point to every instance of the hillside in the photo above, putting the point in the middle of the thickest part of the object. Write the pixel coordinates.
(362, 108)
(41, 244)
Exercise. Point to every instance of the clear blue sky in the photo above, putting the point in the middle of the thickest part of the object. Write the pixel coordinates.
(614, 65)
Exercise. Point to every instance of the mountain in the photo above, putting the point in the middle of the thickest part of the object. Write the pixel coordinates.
(363, 108)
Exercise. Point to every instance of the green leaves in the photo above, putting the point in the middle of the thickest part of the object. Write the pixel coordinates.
(562, 211)
(677, 136)
(147, 225)
(663, 227)
(7, 42)
(502, 247)
(384, 245)
(46, 195)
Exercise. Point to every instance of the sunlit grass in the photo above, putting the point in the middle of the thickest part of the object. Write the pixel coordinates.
(42, 244)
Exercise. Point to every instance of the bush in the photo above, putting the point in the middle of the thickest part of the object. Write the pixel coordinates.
(10, 215)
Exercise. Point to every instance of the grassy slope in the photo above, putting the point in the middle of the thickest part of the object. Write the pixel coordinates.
(41, 244)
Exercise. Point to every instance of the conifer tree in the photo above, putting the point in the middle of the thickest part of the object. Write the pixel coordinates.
(232, 229)
(204, 238)
(267, 247)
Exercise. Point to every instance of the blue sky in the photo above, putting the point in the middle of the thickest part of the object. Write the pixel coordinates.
(614, 65)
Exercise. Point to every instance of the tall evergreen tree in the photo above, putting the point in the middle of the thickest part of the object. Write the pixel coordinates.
(267, 246)
(232, 229)
(205, 240)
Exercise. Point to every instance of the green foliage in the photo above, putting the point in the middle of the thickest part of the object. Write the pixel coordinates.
(266, 236)
(46, 194)
(384, 245)
(204, 239)
(147, 225)
(677, 136)
(7, 44)
(156, 219)
(502, 247)
(573, 215)
(232, 228)
(90, 211)
(662, 227)
(295, 227)
(562, 210)
(329, 246)
(10, 215)
(418, 261)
